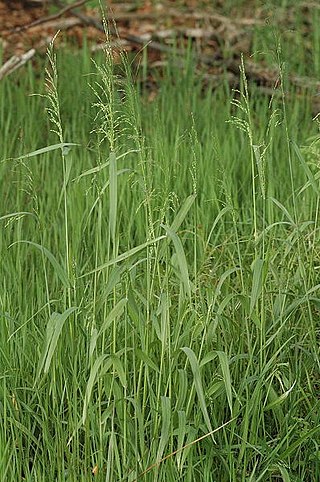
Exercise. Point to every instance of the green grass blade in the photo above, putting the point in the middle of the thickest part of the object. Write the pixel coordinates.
(181, 257)
(113, 190)
(124, 256)
(182, 213)
(18, 214)
(258, 267)
(61, 273)
(53, 332)
(63, 145)
(279, 400)
(165, 427)
(143, 356)
(119, 368)
(115, 313)
(198, 386)
(311, 179)
(284, 210)
(92, 379)
(178, 220)
(224, 364)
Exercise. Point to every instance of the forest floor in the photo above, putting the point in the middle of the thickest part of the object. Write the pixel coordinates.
(218, 32)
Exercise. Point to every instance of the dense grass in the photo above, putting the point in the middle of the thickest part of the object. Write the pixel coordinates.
(159, 282)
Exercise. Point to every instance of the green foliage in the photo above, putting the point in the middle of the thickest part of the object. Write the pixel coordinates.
(159, 291)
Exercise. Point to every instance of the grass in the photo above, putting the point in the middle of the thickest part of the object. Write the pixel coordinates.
(159, 290)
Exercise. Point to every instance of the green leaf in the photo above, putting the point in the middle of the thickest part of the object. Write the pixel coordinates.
(198, 385)
(257, 282)
(100, 167)
(113, 315)
(113, 201)
(178, 220)
(165, 427)
(62, 275)
(284, 473)
(279, 400)
(92, 379)
(63, 146)
(53, 332)
(284, 210)
(118, 366)
(182, 430)
(182, 213)
(181, 257)
(124, 256)
(312, 181)
(224, 364)
(20, 213)
(223, 211)
(146, 359)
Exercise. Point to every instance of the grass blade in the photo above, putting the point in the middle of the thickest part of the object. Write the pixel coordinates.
(62, 275)
(198, 385)
(181, 257)
(18, 214)
(124, 256)
(113, 190)
(53, 332)
(92, 379)
(165, 428)
(312, 181)
(65, 146)
(257, 282)
(113, 315)
(224, 364)
(178, 220)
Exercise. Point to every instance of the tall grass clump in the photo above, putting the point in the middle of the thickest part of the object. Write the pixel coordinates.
(159, 289)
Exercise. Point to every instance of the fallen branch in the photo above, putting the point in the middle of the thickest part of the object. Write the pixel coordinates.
(87, 20)
(52, 17)
(15, 63)
(173, 13)
(136, 39)
(59, 24)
